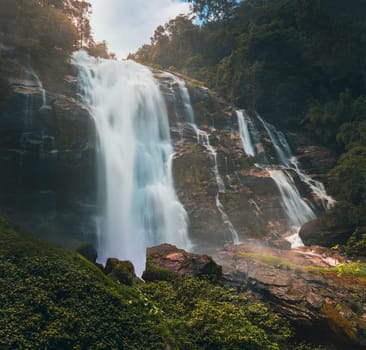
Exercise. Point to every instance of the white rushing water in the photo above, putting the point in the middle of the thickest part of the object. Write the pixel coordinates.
(138, 203)
(244, 133)
(41, 88)
(297, 210)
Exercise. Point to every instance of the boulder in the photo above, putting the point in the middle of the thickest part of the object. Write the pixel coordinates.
(165, 261)
(122, 271)
(324, 232)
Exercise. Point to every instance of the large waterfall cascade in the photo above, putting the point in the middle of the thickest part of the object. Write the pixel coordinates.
(138, 204)
(297, 209)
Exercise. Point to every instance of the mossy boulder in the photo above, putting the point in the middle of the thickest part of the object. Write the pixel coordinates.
(166, 261)
(122, 271)
(327, 232)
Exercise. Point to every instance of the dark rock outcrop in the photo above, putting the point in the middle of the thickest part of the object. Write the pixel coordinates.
(325, 232)
(47, 179)
(177, 262)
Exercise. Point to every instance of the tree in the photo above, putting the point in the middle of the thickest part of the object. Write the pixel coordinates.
(213, 10)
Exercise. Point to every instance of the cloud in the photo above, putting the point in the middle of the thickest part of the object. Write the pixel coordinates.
(128, 24)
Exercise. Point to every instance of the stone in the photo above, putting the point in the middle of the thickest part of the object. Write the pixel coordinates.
(320, 302)
(122, 271)
(174, 261)
(324, 232)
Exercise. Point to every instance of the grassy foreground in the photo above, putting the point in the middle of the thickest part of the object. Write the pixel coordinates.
(54, 299)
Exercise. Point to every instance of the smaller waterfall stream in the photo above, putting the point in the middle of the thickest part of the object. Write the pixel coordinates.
(203, 138)
(244, 133)
(297, 210)
(41, 88)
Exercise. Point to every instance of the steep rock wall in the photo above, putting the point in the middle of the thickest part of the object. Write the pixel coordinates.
(48, 177)
(47, 182)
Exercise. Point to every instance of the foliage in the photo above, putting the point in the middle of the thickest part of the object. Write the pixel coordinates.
(54, 299)
(356, 268)
(295, 46)
(206, 316)
(348, 179)
(356, 246)
(212, 10)
(42, 34)
(99, 50)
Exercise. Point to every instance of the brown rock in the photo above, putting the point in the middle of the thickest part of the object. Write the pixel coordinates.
(179, 262)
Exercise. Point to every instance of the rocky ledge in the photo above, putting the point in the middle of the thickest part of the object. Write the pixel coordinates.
(309, 285)
(166, 261)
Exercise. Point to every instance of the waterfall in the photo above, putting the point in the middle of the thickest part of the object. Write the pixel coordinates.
(138, 203)
(297, 210)
(185, 99)
(175, 83)
(244, 133)
(279, 143)
(41, 88)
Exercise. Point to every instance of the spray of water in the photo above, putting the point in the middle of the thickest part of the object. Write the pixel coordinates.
(138, 203)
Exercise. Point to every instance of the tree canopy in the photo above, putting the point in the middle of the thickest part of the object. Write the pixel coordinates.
(213, 10)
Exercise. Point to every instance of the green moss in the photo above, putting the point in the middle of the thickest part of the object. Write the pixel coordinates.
(190, 169)
(156, 273)
(123, 271)
(203, 315)
(55, 299)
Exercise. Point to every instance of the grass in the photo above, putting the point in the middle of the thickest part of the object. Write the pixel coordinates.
(52, 298)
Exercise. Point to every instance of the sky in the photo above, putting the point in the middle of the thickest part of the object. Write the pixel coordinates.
(128, 24)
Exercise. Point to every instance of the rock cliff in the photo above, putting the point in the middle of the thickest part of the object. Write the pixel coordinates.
(47, 182)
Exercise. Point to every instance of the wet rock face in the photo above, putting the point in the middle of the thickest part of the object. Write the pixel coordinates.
(48, 177)
(165, 261)
(47, 182)
(251, 198)
(325, 232)
(321, 304)
(316, 159)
